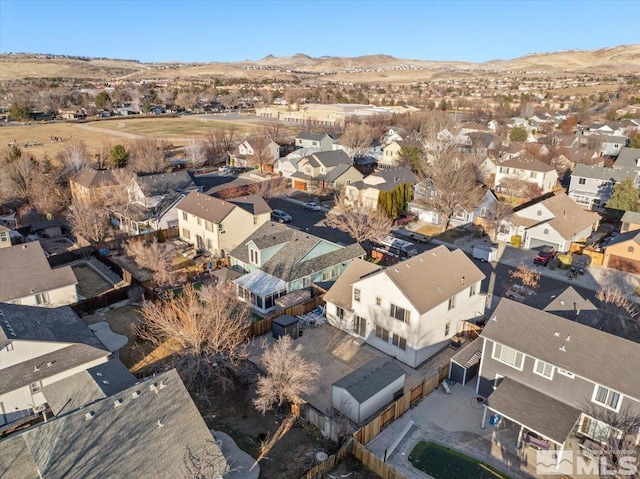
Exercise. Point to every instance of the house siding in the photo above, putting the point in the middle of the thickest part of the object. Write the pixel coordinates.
(57, 297)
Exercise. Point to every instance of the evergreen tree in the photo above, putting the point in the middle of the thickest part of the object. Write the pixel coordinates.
(624, 196)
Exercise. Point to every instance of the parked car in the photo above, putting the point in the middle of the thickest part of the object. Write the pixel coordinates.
(224, 168)
(546, 254)
(280, 216)
(405, 218)
(235, 171)
(419, 238)
(312, 206)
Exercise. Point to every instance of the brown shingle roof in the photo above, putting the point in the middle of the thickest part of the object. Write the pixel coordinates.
(340, 293)
(91, 178)
(530, 164)
(206, 207)
(570, 218)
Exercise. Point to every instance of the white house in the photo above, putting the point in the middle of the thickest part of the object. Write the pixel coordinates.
(218, 226)
(368, 190)
(523, 169)
(556, 221)
(27, 278)
(39, 348)
(410, 310)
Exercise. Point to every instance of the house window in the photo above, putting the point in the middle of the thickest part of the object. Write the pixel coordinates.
(539, 213)
(255, 220)
(508, 356)
(582, 181)
(452, 302)
(184, 216)
(630, 249)
(186, 233)
(546, 231)
(543, 369)
(473, 290)
(532, 174)
(606, 397)
(447, 328)
(306, 281)
(378, 301)
(199, 221)
(399, 313)
(566, 373)
(42, 298)
(382, 333)
(356, 295)
(254, 256)
(399, 342)
(208, 225)
(596, 430)
(360, 326)
(339, 312)
(36, 387)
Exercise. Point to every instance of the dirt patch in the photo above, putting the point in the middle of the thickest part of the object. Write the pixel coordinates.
(233, 412)
(353, 469)
(90, 283)
(122, 321)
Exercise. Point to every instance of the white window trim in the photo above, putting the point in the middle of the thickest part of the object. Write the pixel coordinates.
(595, 392)
(497, 358)
(535, 369)
(496, 380)
(566, 373)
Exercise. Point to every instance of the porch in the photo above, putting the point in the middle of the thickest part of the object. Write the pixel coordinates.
(261, 290)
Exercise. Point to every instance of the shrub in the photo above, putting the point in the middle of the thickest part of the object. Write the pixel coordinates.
(516, 241)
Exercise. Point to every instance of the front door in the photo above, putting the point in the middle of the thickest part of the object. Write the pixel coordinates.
(199, 242)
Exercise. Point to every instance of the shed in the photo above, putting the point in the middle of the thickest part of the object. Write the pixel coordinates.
(362, 392)
(466, 362)
(285, 324)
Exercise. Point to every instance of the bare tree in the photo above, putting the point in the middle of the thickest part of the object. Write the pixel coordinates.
(195, 152)
(496, 213)
(17, 173)
(155, 257)
(210, 326)
(48, 194)
(527, 275)
(271, 189)
(614, 304)
(288, 375)
(454, 185)
(221, 141)
(261, 154)
(89, 220)
(357, 138)
(274, 132)
(205, 463)
(148, 155)
(360, 221)
(75, 157)
(435, 130)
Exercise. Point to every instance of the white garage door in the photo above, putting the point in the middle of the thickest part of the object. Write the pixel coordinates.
(536, 243)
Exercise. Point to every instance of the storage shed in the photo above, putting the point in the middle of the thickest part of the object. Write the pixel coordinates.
(466, 362)
(285, 324)
(370, 387)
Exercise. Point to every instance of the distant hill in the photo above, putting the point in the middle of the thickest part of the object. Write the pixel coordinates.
(368, 68)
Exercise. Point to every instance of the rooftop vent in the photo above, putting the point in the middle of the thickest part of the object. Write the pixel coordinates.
(562, 302)
(563, 348)
(568, 338)
(50, 363)
(163, 383)
(556, 334)
(89, 415)
(161, 422)
(104, 381)
(135, 394)
(117, 402)
(462, 280)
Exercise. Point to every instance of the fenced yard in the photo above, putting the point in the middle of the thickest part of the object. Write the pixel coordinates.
(90, 283)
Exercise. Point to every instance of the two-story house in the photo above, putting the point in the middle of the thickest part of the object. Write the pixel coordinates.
(629, 158)
(391, 153)
(623, 252)
(592, 186)
(367, 191)
(279, 260)
(217, 226)
(523, 169)
(611, 145)
(38, 348)
(555, 221)
(92, 185)
(320, 141)
(312, 169)
(555, 378)
(410, 310)
(27, 278)
(255, 152)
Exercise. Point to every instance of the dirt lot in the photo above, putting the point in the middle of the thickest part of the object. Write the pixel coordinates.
(121, 321)
(90, 283)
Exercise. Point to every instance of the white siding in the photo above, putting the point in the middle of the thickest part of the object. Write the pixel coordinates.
(21, 351)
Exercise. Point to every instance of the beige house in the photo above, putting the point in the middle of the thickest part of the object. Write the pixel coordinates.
(391, 153)
(367, 191)
(91, 184)
(312, 170)
(217, 226)
(528, 170)
(252, 153)
(5, 239)
(623, 252)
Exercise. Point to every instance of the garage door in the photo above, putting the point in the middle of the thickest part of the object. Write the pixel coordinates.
(536, 243)
(624, 264)
(300, 185)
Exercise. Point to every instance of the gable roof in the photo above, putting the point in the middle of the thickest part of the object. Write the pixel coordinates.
(601, 173)
(631, 217)
(598, 356)
(529, 164)
(92, 178)
(306, 135)
(340, 293)
(633, 236)
(328, 158)
(338, 171)
(25, 271)
(441, 272)
(206, 207)
(164, 183)
(393, 177)
(369, 379)
(254, 204)
(628, 158)
(151, 435)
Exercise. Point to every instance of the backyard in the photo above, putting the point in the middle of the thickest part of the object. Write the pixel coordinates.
(443, 463)
(90, 283)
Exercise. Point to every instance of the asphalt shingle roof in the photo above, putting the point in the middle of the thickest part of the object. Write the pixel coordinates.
(206, 207)
(163, 183)
(92, 178)
(340, 293)
(628, 158)
(529, 164)
(366, 381)
(601, 173)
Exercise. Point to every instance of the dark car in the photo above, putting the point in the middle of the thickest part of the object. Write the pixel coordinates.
(546, 254)
(280, 216)
(405, 218)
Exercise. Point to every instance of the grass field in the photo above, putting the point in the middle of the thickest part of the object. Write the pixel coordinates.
(181, 128)
(443, 463)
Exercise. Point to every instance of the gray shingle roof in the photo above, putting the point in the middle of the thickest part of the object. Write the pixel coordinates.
(340, 293)
(366, 381)
(88, 386)
(337, 172)
(598, 356)
(163, 183)
(631, 217)
(393, 178)
(305, 135)
(601, 173)
(254, 204)
(329, 158)
(151, 435)
(529, 164)
(206, 207)
(628, 158)
(25, 271)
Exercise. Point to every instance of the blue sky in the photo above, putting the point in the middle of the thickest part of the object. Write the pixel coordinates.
(236, 30)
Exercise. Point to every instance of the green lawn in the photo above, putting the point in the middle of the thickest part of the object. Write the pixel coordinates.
(443, 463)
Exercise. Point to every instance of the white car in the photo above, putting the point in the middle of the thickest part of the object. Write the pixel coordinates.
(224, 168)
(312, 207)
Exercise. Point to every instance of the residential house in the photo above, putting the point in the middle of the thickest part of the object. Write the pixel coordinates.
(312, 169)
(623, 252)
(388, 308)
(343, 174)
(612, 145)
(5, 237)
(39, 348)
(27, 278)
(151, 429)
(580, 156)
(92, 185)
(320, 141)
(629, 158)
(391, 153)
(253, 153)
(592, 186)
(288, 165)
(153, 200)
(279, 260)
(556, 221)
(391, 135)
(361, 393)
(555, 378)
(368, 189)
(217, 226)
(513, 150)
(527, 170)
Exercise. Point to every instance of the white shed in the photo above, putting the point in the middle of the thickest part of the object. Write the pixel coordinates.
(362, 392)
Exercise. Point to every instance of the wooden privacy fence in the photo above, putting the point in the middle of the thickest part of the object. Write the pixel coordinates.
(319, 470)
(264, 325)
(101, 301)
(373, 462)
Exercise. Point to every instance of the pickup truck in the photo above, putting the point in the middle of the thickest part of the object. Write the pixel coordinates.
(518, 292)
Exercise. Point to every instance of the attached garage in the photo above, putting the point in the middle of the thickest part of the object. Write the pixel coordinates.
(535, 243)
(300, 185)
